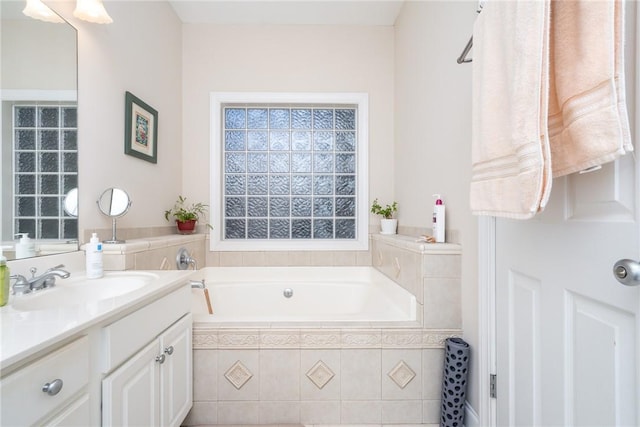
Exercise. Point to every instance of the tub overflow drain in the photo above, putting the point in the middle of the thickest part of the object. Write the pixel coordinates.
(288, 293)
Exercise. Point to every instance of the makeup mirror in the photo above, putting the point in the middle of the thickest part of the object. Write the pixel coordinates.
(114, 203)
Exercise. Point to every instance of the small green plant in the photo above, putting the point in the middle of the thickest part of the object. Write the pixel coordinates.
(386, 212)
(182, 211)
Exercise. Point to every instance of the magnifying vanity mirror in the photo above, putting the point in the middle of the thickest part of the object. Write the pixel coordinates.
(38, 148)
(114, 203)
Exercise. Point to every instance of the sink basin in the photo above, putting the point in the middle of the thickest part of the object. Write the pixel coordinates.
(80, 290)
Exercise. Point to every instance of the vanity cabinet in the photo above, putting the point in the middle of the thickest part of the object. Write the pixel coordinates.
(53, 390)
(153, 387)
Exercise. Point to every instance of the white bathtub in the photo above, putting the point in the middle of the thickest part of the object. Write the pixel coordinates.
(320, 294)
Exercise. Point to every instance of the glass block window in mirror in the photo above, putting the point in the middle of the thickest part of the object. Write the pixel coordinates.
(45, 165)
(290, 172)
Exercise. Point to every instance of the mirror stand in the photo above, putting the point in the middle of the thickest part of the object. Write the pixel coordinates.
(114, 239)
(114, 203)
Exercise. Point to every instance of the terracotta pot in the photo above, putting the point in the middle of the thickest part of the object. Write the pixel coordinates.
(186, 227)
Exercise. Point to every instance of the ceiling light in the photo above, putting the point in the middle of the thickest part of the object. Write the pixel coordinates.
(38, 10)
(92, 11)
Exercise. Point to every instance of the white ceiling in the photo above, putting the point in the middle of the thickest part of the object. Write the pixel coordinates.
(288, 12)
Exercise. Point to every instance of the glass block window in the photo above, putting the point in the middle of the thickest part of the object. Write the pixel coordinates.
(289, 172)
(45, 165)
(292, 175)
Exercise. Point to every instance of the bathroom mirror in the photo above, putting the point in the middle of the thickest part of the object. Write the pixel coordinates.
(38, 147)
(114, 203)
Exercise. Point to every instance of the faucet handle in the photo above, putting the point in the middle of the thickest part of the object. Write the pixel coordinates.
(33, 271)
(21, 286)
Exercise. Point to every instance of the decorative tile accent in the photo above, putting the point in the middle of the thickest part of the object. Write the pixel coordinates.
(436, 339)
(320, 374)
(239, 339)
(205, 339)
(279, 339)
(320, 339)
(238, 375)
(402, 374)
(402, 339)
(361, 339)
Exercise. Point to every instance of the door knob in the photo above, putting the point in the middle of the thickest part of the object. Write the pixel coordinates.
(627, 272)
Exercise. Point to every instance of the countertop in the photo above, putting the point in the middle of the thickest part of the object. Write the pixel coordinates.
(25, 333)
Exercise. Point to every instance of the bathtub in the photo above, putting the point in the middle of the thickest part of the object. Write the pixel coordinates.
(330, 295)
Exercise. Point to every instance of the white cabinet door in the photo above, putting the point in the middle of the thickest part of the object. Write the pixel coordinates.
(130, 395)
(176, 373)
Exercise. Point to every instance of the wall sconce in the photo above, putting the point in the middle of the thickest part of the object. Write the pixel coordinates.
(37, 10)
(87, 10)
(92, 11)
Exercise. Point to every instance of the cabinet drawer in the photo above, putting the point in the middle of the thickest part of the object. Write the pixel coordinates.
(23, 401)
(126, 336)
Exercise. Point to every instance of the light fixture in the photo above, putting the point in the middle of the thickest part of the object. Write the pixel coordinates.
(37, 10)
(92, 11)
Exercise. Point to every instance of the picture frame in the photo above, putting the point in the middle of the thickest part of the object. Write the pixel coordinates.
(140, 129)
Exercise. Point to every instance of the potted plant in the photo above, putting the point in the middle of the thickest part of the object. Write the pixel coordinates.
(186, 215)
(388, 224)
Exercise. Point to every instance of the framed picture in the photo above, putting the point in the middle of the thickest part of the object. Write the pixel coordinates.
(140, 129)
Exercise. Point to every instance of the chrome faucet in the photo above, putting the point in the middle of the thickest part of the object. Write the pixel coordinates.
(197, 284)
(184, 260)
(45, 280)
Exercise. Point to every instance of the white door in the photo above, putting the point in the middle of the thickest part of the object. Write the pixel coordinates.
(568, 334)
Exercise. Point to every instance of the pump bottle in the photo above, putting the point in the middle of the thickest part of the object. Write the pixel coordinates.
(93, 256)
(438, 219)
(26, 247)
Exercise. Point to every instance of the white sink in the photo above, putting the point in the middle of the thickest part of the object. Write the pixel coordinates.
(80, 290)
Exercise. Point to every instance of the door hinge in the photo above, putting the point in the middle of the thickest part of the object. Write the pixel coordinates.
(492, 386)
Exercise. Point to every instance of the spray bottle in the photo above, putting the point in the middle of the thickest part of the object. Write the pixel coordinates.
(438, 220)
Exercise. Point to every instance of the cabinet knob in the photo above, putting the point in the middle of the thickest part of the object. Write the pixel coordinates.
(169, 350)
(160, 359)
(53, 387)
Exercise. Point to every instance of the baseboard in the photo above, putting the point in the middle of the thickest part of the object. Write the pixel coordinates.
(471, 418)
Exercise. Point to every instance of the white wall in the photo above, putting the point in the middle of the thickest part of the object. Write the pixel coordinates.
(139, 52)
(433, 133)
(287, 59)
(28, 44)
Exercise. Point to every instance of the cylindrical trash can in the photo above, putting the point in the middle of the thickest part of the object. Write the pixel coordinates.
(454, 382)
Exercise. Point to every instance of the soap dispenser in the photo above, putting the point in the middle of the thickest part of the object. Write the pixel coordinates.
(26, 247)
(4, 280)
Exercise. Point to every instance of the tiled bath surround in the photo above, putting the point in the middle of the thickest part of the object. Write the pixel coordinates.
(318, 375)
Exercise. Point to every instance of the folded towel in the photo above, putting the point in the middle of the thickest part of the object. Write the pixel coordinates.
(588, 123)
(510, 147)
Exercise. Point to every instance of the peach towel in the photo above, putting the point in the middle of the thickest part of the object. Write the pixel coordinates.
(588, 121)
(510, 147)
(548, 99)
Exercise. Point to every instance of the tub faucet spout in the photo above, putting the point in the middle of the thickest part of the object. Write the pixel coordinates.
(197, 284)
